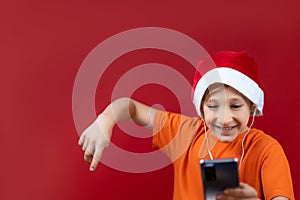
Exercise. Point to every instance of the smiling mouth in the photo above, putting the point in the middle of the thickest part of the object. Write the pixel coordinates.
(225, 129)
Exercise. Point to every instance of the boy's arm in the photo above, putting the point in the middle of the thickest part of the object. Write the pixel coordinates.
(97, 136)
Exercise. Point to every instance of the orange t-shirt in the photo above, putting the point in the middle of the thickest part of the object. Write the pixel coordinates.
(182, 139)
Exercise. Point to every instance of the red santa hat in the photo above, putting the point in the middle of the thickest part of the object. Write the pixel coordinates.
(235, 69)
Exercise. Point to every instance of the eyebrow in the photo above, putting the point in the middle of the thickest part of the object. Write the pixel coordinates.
(237, 99)
(232, 99)
(211, 100)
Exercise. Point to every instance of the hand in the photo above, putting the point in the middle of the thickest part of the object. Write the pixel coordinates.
(94, 139)
(245, 191)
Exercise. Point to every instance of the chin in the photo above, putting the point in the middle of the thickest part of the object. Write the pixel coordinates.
(227, 138)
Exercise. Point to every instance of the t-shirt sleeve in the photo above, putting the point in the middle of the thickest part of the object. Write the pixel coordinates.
(276, 174)
(173, 133)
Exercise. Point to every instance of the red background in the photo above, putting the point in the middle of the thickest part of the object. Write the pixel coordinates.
(42, 45)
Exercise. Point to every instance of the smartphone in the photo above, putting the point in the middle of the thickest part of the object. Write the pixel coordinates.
(217, 175)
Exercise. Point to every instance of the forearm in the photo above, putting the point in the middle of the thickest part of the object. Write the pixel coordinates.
(128, 109)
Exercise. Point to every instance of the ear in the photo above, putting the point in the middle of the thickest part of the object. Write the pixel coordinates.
(253, 109)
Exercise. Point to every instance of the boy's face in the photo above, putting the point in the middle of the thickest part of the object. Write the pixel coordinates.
(226, 113)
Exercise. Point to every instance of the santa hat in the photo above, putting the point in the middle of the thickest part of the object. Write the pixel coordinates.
(235, 69)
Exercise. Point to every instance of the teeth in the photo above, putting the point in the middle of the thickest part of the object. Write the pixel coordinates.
(225, 128)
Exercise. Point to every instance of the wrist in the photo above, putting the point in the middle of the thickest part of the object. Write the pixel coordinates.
(106, 118)
(105, 127)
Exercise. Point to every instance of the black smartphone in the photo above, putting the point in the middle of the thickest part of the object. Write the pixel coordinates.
(217, 175)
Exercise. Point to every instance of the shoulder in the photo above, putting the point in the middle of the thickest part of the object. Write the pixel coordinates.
(174, 122)
(176, 119)
(263, 142)
(174, 131)
(257, 135)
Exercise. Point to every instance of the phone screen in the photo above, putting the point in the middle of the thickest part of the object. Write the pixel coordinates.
(217, 175)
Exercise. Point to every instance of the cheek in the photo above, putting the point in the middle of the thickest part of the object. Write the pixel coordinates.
(211, 113)
(209, 117)
(244, 119)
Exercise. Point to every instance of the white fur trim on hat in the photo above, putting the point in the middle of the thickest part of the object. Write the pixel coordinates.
(233, 78)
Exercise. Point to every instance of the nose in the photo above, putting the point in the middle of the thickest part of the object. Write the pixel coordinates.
(225, 117)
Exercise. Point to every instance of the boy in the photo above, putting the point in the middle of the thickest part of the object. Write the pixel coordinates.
(225, 98)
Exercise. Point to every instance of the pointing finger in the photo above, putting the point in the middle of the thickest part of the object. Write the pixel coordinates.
(96, 158)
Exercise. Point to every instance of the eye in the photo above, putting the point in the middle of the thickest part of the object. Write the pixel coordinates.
(236, 106)
(212, 106)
